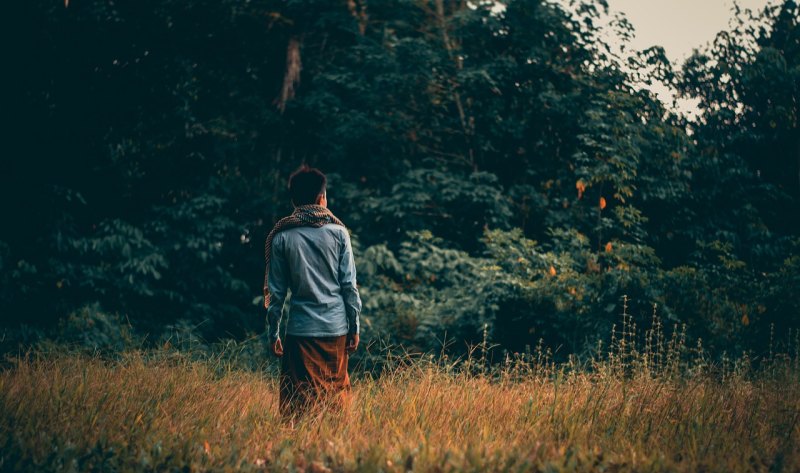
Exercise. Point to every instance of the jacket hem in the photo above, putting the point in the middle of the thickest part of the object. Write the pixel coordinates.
(319, 334)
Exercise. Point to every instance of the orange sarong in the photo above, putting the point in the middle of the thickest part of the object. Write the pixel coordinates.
(313, 369)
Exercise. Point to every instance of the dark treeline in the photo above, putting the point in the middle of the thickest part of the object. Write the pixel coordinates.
(498, 168)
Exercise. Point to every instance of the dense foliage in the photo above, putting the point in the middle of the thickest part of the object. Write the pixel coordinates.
(500, 169)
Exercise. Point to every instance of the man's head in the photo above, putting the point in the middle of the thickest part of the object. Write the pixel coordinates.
(307, 186)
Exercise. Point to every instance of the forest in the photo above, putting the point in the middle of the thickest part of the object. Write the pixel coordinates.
(503, 170)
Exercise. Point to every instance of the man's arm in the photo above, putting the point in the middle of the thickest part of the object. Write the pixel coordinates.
(347, 281)
(278, 276)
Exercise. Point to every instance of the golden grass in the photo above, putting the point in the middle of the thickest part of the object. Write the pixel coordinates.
(79, 413)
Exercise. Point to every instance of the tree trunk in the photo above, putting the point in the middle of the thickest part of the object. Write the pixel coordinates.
(465, 128)
(359, 12)
(291, 78)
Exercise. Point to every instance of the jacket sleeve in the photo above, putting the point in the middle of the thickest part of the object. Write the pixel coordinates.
(278, 284)
(347, 282)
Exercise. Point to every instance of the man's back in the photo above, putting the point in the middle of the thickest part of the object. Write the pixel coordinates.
(309, 253)
(316, 264)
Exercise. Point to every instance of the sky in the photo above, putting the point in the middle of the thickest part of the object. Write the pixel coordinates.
(679, 26)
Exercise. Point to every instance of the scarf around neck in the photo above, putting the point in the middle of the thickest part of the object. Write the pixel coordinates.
(308, 215)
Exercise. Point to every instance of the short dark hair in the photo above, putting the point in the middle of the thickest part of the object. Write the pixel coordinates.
(305, 184)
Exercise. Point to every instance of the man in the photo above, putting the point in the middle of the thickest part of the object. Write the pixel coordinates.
(309, 253)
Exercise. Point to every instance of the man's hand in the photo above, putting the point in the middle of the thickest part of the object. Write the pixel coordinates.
(352, 342)
(277, 348)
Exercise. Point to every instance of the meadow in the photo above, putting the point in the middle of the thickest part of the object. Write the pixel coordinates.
(631, 410)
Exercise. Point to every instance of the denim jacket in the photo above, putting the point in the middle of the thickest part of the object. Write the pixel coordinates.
(316, 265)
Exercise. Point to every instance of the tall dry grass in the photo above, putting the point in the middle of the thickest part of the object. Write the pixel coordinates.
(646, 402)
(163, 413)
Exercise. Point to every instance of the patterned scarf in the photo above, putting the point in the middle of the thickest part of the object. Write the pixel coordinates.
(309, 215)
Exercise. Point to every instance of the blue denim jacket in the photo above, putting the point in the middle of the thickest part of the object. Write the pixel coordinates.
(316, 265)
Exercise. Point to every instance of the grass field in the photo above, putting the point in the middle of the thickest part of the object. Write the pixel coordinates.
(146, 413)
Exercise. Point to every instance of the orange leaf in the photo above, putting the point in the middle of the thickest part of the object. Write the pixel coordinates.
(207, 447)
(581, 187)
(602, 203)
(609, 247)
(552, 271)
(745, 320)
